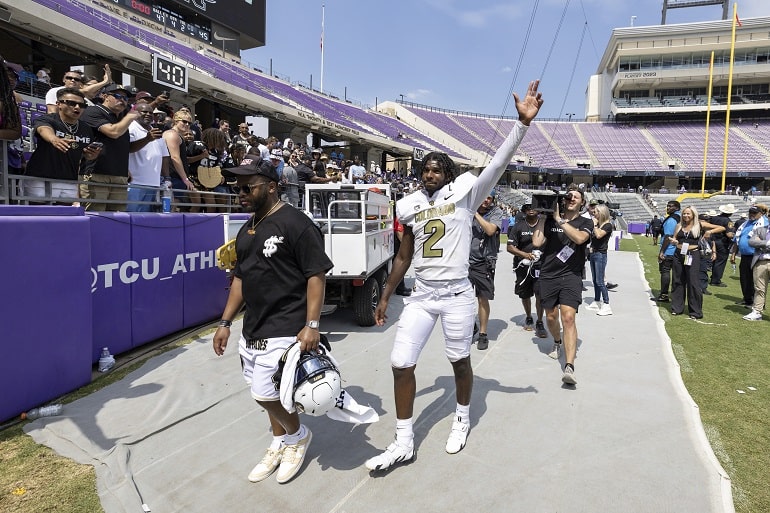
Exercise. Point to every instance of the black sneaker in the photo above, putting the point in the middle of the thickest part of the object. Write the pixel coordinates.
(611, 286)
(720, 284)
(483, 342)
(540, 330)
(706, 292)
(663, 298)
(529, 324)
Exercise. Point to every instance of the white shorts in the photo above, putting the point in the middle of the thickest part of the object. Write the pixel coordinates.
(36, 189)
(259, 362)
(454, 302)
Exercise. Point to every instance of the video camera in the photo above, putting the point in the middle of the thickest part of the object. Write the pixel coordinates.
(545, 201)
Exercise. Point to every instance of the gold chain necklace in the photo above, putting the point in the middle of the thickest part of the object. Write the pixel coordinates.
(254, 225)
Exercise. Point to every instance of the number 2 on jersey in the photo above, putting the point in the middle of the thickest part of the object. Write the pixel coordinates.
(436, 229)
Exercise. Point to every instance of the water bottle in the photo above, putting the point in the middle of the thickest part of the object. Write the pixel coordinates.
(166, 197)
(316, 210)
(106, 360)
(44, 411)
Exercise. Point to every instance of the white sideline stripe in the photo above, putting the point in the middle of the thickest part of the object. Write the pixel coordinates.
(691, 408)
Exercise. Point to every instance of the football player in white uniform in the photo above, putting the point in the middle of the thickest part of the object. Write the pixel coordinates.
(437, 235)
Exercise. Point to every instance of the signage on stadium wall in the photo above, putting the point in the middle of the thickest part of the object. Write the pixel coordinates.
(639, 74)
(114, 274)
(519, 168)
(418, 154)
(330, 124)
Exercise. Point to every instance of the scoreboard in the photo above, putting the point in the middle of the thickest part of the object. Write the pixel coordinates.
(194, 26)
(246, 17)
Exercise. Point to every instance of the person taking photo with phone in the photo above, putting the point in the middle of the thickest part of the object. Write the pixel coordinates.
(64, 145)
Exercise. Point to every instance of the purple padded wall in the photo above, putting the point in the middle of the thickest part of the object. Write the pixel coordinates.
(110, 250)
(205, 287)
(46, 308)
(157, 284)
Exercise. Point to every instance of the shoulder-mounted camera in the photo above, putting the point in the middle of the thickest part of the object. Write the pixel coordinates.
(545, 201)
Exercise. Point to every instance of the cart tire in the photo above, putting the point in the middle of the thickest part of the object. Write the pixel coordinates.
(365, 299)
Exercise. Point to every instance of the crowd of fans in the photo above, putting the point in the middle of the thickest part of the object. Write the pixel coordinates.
(126, 146)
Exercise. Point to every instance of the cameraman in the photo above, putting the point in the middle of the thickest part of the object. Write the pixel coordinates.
(563, 240)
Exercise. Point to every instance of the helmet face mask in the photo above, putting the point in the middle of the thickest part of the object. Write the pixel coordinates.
(317, 384)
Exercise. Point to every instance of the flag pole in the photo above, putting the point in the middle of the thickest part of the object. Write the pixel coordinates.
(708, 121)
(729, 96)
(323, 14)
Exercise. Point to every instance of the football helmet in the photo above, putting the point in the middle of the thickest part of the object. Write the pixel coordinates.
(317, 383)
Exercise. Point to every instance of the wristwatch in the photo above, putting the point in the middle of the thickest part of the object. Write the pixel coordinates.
(312, 325)
(562, 221)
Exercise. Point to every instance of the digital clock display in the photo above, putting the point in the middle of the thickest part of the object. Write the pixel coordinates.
(169, 73)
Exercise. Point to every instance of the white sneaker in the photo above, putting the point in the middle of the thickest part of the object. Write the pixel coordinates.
(604, 309)
(555, 352)
(292, 458)
(568, 377)
(457, 437)
(593, 306)
(753, 316)
(267, 466)
(395, 453)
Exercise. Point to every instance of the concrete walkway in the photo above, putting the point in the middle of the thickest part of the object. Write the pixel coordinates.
(181, 433)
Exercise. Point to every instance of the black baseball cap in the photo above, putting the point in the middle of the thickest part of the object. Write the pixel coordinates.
(114, 88)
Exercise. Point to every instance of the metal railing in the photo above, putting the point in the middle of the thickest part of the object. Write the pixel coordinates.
(12, 191)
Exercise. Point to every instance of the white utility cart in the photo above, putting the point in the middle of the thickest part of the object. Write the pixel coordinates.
(357, 223)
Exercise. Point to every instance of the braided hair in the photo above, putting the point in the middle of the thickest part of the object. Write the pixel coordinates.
(445, 163)
(9, 110)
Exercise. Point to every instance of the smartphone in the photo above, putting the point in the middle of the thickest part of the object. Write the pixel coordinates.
(95, 145)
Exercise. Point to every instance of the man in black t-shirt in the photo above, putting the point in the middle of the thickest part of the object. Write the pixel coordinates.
(563, 241)
(111, 168)
(305, 175)
(722, 242)
(280, 274)
(520, 246)
(656, 227)
(63, 146)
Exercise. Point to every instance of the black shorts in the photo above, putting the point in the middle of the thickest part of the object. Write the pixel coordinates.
(482, 276)
(526, 278)
(565, 290)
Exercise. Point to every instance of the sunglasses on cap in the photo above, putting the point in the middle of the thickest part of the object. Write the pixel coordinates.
(73, 103)
(75, 78)
(246, 189)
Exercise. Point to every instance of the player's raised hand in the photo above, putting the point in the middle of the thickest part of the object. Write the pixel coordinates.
(529, 106)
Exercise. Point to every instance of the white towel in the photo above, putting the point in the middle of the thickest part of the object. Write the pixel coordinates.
(346, 409)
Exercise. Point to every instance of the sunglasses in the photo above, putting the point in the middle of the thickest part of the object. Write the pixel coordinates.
(73, 103)
(247, 188)
(76, 79)
(119, 97)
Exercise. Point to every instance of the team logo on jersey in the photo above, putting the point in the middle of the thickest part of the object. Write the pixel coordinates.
(271, 245)
(439, 211)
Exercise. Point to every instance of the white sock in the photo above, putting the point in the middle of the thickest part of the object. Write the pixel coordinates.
(277, 443)
(463, 413)
(404, 432)
(295, 437)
